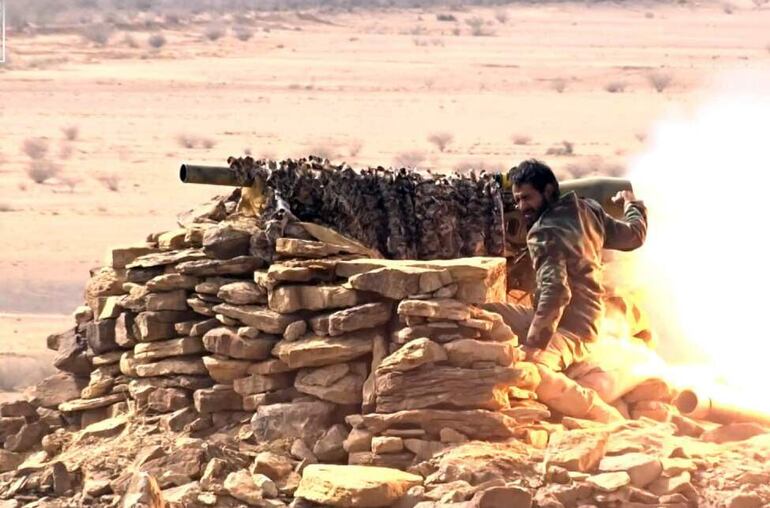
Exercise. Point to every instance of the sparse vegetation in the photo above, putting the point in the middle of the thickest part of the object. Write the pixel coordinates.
(521, 139)
(243, 33)
(659, 80)
(71, 132)
(110, 180)
(760, 3)
(441, 140)
(477, 166)
(156, 41)
(501, 16)
(595, 166)
(5, 207)
(446, 17)
(615, 87)
(640, 137)
(559, 84)
(562, 149)
(213, 32)
(649, 15)
(41, 170)
(478, 27)
(129, 41)
(728, 8)
(354, 147)
(99, 33)
(70, 182)
(190, 141)
(35, 148)
(409, 159)
(65, 151)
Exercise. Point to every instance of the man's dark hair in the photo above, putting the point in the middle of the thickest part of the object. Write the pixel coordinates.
(535, 173)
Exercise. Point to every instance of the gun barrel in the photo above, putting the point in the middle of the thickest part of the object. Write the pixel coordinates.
(212, 175)
(695, 405)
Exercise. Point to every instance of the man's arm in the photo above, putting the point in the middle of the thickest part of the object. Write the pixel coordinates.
(630, 232)
(553, 287)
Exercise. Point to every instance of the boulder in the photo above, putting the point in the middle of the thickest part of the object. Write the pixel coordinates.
(257, 383)
(187, 365)
(642, 469)
(226, 341)
(430, 386)
(152, 326)
(288, 299)
(160, 259)
(271, 366)
(329, 447)
(167, 300)
(143, 492)
(10, 425)
(18, 408)
(27, 437)
(56, 389)
(466, 352)
(304, 420)
(272, 465)
(104, 281)
(119, 257)
(609, 482)
(368, 315)
(71, 354)
(315, 351)
(502, 497)
(171, 282)
(124, 330)
(475, 423)
(359, 486)
(219, 398)
(242, 486)
(225, 242)
(294, 247)
(397, 282)
(412, 355)
(242, 293)
(259, 317)
(151, 351)
(577, 450)
(89, 404)
(166, 400)
(10, 461)
(252, 402)
(335, 383)
(225, 370)
(207, 267)
(440, 308)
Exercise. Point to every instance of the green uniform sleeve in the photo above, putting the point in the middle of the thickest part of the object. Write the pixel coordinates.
(628, 233)
(553, 286)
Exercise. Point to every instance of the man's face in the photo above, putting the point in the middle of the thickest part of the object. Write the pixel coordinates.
(530, 202)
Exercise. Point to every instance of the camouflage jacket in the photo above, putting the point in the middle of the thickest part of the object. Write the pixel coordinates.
(565, 245)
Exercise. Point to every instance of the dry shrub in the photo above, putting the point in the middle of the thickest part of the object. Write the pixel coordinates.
(456, 31)
(521, 139)
(615, 87)
(213, 32)
(190, 141)
(445, 17)
(243, 33)
(640, 137)
(354, 147)
(156, 41)
(562, 149)
(760, 3)
(409, 159)
(659, 80)
(420, 42)
(129, 41)
(478, 27)
(501, 16)
(649, 15)
(5, 207)
(70, 182)
(441, 140)
(110, 180)
(98, 33)
(728, 8)
(65, 151)
(559, 84)
(35, 148)
(41, 170)
(71, 132)
(595, 166)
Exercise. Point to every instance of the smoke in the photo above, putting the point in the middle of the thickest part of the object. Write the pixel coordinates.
(706, 265)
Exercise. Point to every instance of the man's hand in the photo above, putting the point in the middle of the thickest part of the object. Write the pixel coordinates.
(624, 197)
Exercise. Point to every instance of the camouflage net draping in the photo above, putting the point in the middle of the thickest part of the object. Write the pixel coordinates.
(401, 213)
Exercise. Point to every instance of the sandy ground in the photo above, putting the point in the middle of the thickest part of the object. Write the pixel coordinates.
(367, 88)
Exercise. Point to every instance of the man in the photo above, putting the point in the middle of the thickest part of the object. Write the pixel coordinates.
(565, 238)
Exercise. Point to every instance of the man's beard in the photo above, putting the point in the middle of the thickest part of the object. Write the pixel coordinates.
(531, 217)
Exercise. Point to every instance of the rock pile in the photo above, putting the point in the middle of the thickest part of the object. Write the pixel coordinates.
(203, 371)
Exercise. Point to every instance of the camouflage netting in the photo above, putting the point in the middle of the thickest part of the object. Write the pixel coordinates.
(402, 214)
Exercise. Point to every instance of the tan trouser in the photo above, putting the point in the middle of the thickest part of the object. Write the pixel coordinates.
(564, 350)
